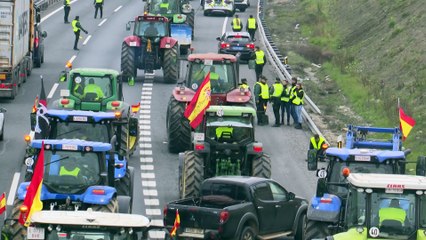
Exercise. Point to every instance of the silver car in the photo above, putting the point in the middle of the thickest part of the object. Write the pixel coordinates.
(2, 111)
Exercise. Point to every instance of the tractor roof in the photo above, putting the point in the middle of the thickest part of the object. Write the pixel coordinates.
(392, 182)
(231, 110)
(151, 18)
(86, 116)
(71, 144)
(364, 154)
(94, 71)
(212, 56)
(90, 218)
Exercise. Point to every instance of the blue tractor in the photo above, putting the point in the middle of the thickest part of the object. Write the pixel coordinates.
(361, 154)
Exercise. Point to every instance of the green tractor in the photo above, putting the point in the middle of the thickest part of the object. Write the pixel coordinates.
(224, 144)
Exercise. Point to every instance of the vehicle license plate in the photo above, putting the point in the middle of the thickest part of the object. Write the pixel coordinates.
(35, 233)
(80, 119)
(238, 48)
(362, 158)
(69, 147)
(194, 230)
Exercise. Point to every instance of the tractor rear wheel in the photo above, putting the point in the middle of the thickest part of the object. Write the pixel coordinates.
(190, 20)
(261, 166)
(178, 128)
(111, 207)
(15, 230)
(171, 64)
(192, 175)
(124, 186)
(128, 62)
(316, 230)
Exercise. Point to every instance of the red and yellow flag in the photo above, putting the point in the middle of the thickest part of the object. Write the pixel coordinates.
(32, 201)
(135, 108)
(3, 203)
(176, 224)
(34, 110)
(406, 123)
(201, 101)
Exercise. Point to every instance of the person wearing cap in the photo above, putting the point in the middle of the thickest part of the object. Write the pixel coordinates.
(276, 91)
(251, 26)
(285, 102)
(244, 84)
(297, 101)
(260, 59)
(292, 107)
(393, 212)
(76, 27)
(236, 24)
(261, 96)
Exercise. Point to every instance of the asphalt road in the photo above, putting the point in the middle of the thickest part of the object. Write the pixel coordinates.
(156, 169)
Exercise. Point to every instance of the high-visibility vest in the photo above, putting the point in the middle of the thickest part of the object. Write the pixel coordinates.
(251, 23)
(236, 24)
(278, 90)
(67, 2)
(245, 86)
(93, 88)
(259, 57)
(391, 213)
(297, 100)
(287, 93)
(264, 90)
(64, 172)
(164, 5)
(74, 25)
(221, 130)
(214, 76)
(317, 145)
(99, 1)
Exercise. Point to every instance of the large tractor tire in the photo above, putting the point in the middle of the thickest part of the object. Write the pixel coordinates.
(191, 20)
(192, 175)
(15, 230)
(300, 232)
(316, 230)
(261, 166)
(178, 128)
(171, 64)
(128, 62)
(124, 186)
(111, 207)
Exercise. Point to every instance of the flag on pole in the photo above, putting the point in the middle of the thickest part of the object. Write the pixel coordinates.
(406, 123)
(43, 98)
(135, 108)
(198, 105)
(32, 202)
(3, 203)
(176, 224)
(34, 109)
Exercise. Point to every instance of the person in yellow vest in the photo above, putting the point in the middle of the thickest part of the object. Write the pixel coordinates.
(261, 96)
(297, 101)
(393, 212)
(99, 5)
(244, 84)
(93, 88)
(224, 133)
(285, 102)
(316, 142)
(67, 9)
(76, 27)
(236, 24)
(292, 107)
(69, 168)
(275, 91)
(164, 6)
(215, 81)
(260, 58)
(251, 26)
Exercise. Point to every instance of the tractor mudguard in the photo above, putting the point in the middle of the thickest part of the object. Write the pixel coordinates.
(249, 216)
(168, 42)
(353, 234)
(236, 96)
(182, 33)
(121, 166)
(251, 148)
(302, 210)
(133, 41)
(184, 95)
(98, 199)
(325, 208)
(124, 204)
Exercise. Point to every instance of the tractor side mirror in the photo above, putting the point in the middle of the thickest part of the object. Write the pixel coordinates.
(38, 17)
(421, 166)
(218, 38)
(312, 160)
(128, 26)
(321, 187)
(63, 76)
(44, 34)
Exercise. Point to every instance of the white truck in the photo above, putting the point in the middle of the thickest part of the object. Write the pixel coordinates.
(21, 44)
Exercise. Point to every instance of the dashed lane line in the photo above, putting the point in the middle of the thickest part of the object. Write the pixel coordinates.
(147, 167)
(152, 202)
(225, 22)
(153, 212)
(13, 188)
(87, 39)
(148, 175)
(150, 192)
(118, 8)
(53, 90)
(146, 160)
(103, 21)
(145, 139)
(149, 184)
(145, 145)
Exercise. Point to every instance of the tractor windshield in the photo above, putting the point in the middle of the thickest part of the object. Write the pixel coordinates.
(70, 172)
(92, 235)
(354, 167)
(84, 131)
(163, 7)
(91, 88)
(221, 77)
(229, 129)
(151, 29)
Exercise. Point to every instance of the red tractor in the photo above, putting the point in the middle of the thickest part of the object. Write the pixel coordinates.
(150, 48)
(225, 90)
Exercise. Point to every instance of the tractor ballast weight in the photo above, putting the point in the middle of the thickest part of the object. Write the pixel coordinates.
(150, 48)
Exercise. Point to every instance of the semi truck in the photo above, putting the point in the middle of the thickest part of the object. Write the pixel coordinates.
(21, 44)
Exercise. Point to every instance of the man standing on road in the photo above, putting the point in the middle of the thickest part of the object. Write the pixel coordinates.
(260, 59)
(261, 95)
(285, 102)
(67, 8)
(251, 26)
(236, 24)
(99, 5)
(76, 27)
(297, 101)
(276, 91)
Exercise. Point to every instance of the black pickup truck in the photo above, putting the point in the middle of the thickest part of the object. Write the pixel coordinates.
(238, 207)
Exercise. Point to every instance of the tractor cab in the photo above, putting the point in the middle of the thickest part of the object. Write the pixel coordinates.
(149, 26)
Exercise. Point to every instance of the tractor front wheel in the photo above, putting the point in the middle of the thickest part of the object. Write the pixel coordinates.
(15, 230)
(111, 207)
(171, 64)
(128, 62)
(261, 166)
(178, 128)
(192, 175)
(316, 230)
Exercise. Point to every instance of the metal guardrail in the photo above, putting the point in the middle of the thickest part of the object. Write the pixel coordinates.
(276, 59)
(44, 4)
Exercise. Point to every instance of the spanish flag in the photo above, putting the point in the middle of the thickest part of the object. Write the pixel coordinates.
(32, 201)
(406, 123)
(135, 108)
(3, 203)
(201, 101)
(176, 224)
(34, 110)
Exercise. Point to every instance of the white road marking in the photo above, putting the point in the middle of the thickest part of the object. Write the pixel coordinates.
(156, 234)
(151, 202)
(146, 93)
(146, 97)
(149, 184)
(145, 102)
(87, 39)
(147, 167)
(145, 106)
(148, 175)
(54, 12)
(145, 152)
(147, 160)
(157, 222)
(147, 89)
(145, 145)
(52, 91)
(144, 111)
(144, 116)
(119, 7)
(145, 139)
(153, 212)
(145, 133)
(13, 188)
(148, 84)
(225, 22)
(144, 127)
(103, 21)
(146, 122)
(150, 192)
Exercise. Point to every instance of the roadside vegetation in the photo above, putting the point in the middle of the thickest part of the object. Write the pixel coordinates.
(367, 55)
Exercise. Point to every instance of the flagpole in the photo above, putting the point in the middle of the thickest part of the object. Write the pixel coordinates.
(5, 210)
